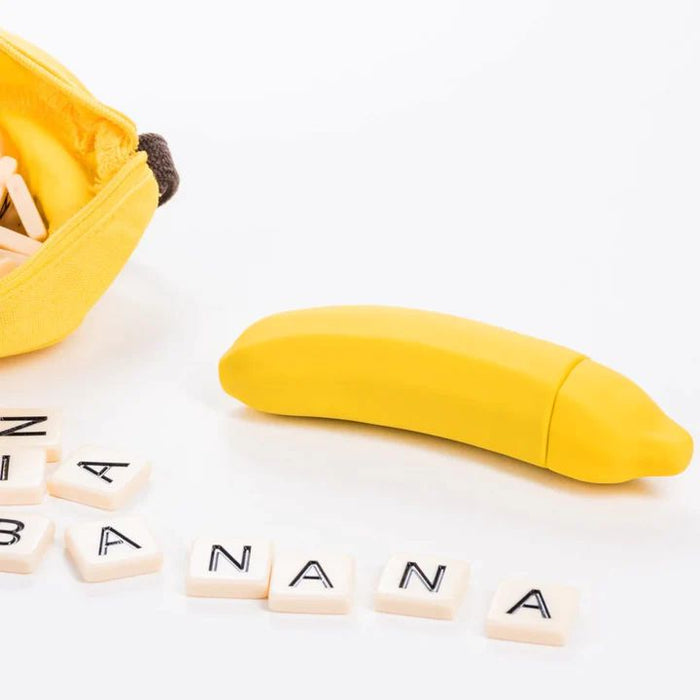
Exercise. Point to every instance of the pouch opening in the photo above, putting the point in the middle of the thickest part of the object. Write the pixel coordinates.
(66, 148)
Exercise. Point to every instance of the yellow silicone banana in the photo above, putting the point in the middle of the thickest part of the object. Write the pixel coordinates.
(458, 379)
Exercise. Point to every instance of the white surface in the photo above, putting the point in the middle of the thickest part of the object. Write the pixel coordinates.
(529, 163)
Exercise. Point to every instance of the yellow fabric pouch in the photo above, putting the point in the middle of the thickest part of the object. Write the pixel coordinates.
(93, 186)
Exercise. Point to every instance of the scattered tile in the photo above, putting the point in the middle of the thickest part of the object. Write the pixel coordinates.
(112, 549)
(31, 427)
(99, 477)
(22, 476)
(24, 540)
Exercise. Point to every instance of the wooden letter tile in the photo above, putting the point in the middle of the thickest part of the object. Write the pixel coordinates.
(31, 427)
(99, 477)
(311, 583)
(24, 540)
(229, 567)
(423, 586)
(22, 476)
(531, 611)
(112, 549)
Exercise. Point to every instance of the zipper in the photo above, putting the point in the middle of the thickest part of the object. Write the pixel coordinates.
(76, 92)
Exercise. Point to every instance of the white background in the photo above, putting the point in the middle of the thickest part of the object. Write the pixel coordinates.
(534, 164)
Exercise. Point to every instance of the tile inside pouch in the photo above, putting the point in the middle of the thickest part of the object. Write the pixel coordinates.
(9, 218)
(19, 210)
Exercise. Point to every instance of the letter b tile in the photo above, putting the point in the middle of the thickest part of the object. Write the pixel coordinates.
(113, 549)
(226, 567)
(528, 611)
(24, 540)
(311, 583)
(422, 586)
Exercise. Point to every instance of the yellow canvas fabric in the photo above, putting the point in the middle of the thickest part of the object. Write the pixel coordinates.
(95, 190)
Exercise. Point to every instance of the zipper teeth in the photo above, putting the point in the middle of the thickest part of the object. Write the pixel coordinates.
(62, 239)
(34, 64)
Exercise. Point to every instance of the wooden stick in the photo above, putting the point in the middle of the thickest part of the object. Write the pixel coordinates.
(26, 208)
(8, 167)
(17, 243)
(7, 265)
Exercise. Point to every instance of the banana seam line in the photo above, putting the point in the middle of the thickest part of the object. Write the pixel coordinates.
(574, 365)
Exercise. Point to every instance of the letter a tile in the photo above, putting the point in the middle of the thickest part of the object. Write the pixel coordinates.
(422, 586)
(24, 540)
(529, 611)
(31, 427)
(312, 583)
(22, 476)
(112, 549)
(100, 478)
(229, 567)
